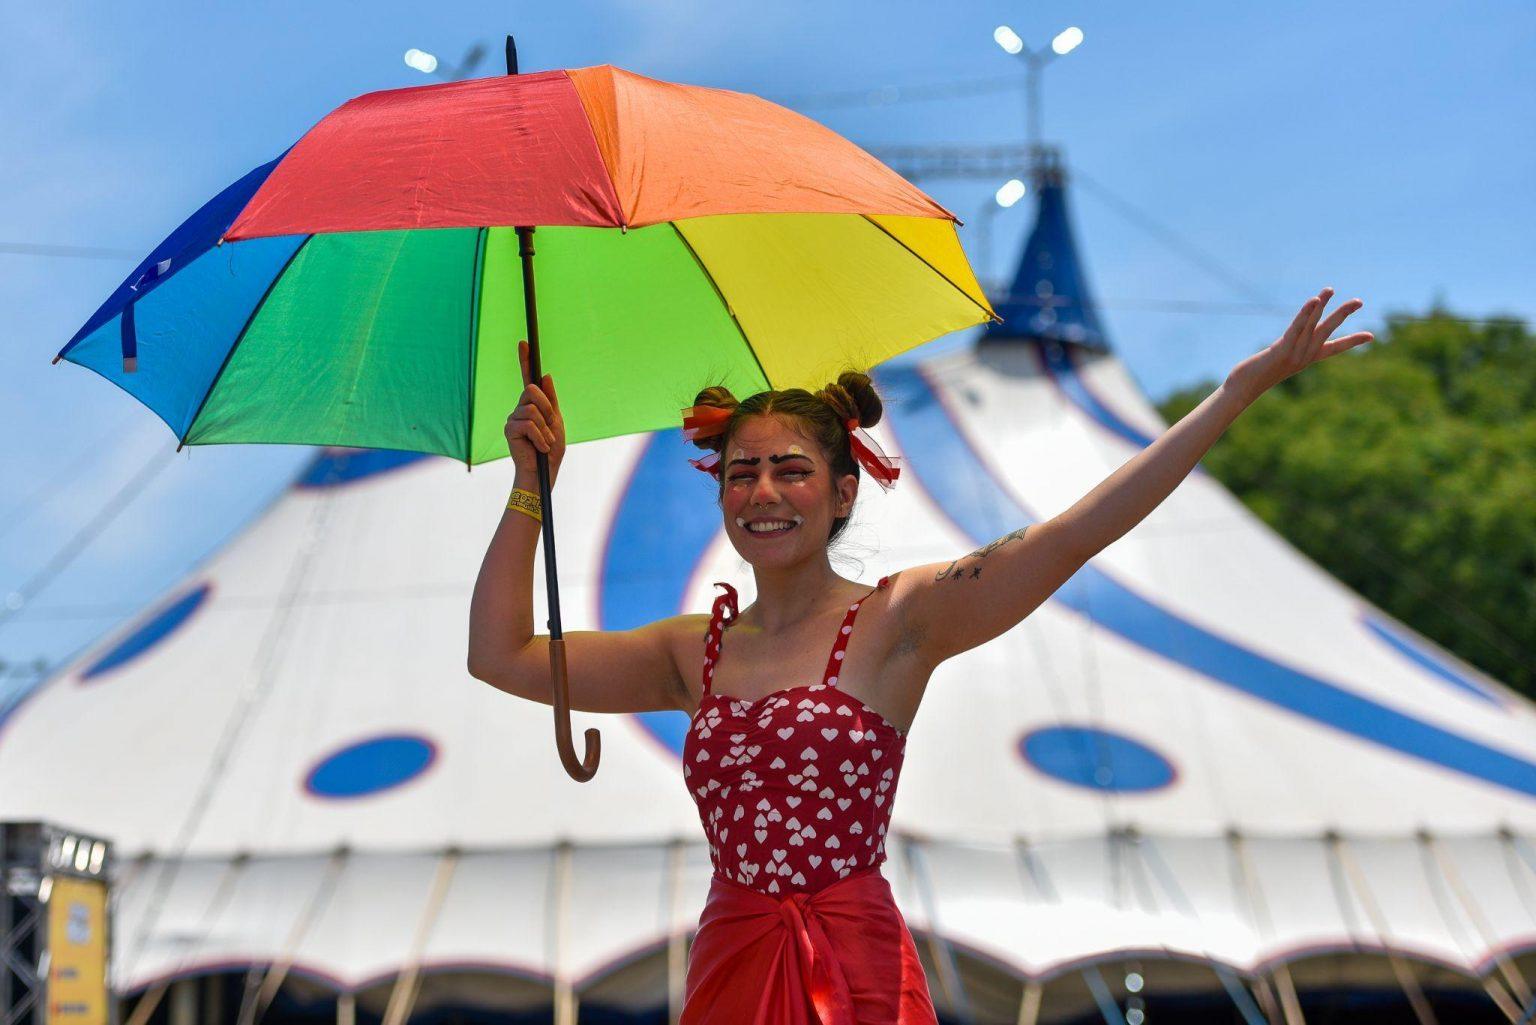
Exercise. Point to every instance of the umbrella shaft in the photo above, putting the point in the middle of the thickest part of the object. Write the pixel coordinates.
(531, 314)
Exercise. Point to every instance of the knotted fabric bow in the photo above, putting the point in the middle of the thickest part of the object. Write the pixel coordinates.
(708, 421)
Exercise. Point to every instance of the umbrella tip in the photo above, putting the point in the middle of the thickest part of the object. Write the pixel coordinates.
(55, 359)
(511, 55)
(130, 364)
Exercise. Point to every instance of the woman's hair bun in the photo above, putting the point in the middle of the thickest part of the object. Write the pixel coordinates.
(715, 395)
(853, 394)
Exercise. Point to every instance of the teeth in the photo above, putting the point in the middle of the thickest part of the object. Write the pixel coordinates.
(768, 526)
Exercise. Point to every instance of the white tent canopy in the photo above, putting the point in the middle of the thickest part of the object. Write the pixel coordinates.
(1203, 752)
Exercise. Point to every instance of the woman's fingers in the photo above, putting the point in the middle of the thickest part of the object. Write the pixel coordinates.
(540, 398)
(1294, 331)
(1323, 298)
(1334, 319)
(1327, 327)
(1337, 345)
(522, 358)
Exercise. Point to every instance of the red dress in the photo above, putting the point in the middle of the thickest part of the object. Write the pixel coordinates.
(795, 791)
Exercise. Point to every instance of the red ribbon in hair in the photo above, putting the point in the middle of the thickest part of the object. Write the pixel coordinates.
(885, 469)
(708, 421)
(705, 422)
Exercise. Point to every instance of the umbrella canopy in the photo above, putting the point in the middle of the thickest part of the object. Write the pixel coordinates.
(365, 288)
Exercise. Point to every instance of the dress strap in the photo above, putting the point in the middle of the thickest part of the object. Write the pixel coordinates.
(721, 615)
(835, 661)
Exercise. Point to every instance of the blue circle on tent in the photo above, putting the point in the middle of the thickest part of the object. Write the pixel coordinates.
(152, 632)
(1087, 756)
(370, 766)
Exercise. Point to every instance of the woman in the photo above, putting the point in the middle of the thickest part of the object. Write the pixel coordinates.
(795, 779)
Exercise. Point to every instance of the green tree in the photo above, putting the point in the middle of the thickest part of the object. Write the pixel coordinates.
(1407, 469)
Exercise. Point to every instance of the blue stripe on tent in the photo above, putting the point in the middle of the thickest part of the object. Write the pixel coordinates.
(370, 766)
(666, 518)
(333, 467)
(1062, 372)
(1421, 655)
(150, 633)
(962, 486)
(186, 327)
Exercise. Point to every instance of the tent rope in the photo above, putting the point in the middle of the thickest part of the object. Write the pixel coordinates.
(242, 713)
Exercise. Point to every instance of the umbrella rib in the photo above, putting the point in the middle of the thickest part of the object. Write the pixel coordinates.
(245, 329)
(723, 300)
(882, 229)
(477, 286)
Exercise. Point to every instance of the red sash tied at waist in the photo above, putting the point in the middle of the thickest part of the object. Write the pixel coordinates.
(839, 956)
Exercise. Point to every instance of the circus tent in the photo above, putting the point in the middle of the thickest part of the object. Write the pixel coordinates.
(1204, 769)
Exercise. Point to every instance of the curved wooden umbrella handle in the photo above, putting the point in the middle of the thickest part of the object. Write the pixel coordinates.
(584, 769)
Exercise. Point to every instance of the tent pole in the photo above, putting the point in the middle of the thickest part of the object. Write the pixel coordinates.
(183, 1010)
(1160, 868)
(559, 908)
(1506, 965)
(252, 1010)
(1509, 844)
(151, 999)
(677, 963)
(1038, 879)
(1416, 999)
(1029, 1006)
(147, 1004)
(1290, 1004)
(1109, 1010)
(403, 996)
(939, 947)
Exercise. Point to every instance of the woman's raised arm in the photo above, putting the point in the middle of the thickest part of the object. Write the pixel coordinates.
(953, 607)
(607, 670)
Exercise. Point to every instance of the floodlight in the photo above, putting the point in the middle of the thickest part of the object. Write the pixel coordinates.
(1008, 39)
(421, 60)
(1067, 40)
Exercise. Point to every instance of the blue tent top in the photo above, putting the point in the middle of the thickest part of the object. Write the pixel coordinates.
(1049, 299)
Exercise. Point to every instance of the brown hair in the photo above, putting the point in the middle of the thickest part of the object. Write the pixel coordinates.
(822, 414)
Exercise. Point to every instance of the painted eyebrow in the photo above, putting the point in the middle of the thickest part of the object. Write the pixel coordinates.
(772, 458)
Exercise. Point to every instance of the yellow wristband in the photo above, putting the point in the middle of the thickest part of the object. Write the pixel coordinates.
(527, 503)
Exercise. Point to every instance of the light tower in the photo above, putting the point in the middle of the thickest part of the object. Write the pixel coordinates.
(1064, 42)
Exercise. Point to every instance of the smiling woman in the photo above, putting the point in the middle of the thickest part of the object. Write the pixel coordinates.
(793, 758)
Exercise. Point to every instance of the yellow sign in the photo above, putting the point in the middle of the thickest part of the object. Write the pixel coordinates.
(77, 952)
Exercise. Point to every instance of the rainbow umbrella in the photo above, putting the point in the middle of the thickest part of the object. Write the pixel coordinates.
(369, 287)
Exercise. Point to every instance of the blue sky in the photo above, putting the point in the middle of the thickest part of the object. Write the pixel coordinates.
(1386, 149)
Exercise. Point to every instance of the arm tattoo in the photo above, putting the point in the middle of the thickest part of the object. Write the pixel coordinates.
(953, 573)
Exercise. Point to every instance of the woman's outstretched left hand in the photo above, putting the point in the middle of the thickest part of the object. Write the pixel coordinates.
(1305, 342)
